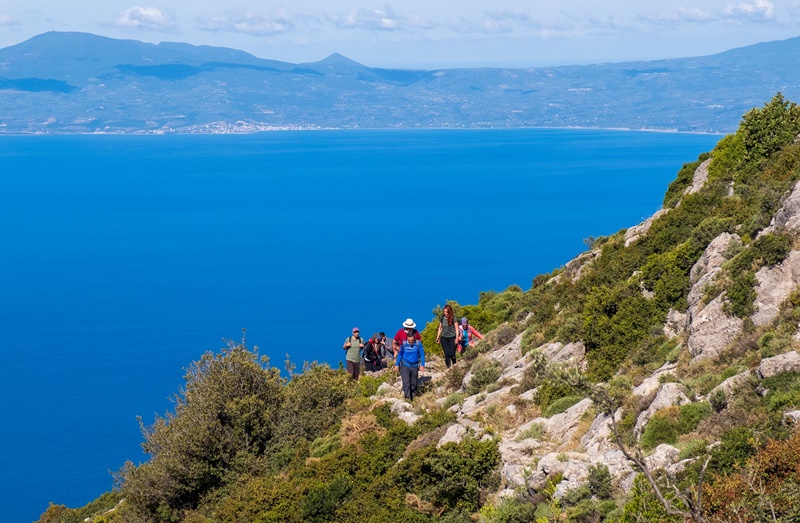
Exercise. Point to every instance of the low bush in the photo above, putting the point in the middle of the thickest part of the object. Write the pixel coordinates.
(560, 405)
(669, 423)
(484, 372)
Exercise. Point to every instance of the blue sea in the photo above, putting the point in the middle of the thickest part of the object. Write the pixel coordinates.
(125, 258)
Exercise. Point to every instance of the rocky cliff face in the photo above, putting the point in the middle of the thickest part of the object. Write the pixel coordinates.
(534, 447)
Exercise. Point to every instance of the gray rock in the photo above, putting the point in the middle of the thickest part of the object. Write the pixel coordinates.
(516, 370)
(455, 434)
(574, 466)
(711, 330)
(507, 354)
(575, 267)
(730, 385)
(775, 284)
(403, 409)
(386, 388)
(574, 353)
(664, 456)
(792, 417)
(517, 459)
(651, 384)
(561, 426)
(788, 215)
(634, 233)
(713, 257)
(788, 362)
(676, 324)
(699, 179)
(706, 269)
(670, 394)
(599, 438)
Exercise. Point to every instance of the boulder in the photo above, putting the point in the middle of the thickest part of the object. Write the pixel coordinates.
(507, 354)
(516, 370)
(711, 330)
(560, 427)
(676, 324)
(574, 353)
(651, 384)
(792, 417)
(574, 267)
(787, 362)
(599, 438)
(788, 215)
(713, 257)
(455, 434)
(699, 179)
(775, 284)
(664, 456)
(517, 460)
(730, 385)
(670, 394)
(634, 233)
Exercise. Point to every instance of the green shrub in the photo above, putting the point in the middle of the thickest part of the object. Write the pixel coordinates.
(669, 423)
(784, 391)
(510, 510)
(455, 398)
(535, 431)
(551, 390)
(774, 343)
(222, 421)
(325, 445)
(560, 405)
(600, 481)
(452, 476)
(735, 447)
(484, 372)
(693, 449)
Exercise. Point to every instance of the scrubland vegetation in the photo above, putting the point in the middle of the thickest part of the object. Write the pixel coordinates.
(245, 444)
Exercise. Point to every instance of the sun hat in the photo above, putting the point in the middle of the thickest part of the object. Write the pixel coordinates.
(409, 324)
(463, 321)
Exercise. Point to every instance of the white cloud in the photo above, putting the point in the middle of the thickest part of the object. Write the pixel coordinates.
(251, 23)
(7, 20)
(145, 18)
(680, 16)
(378, 20)
(760, 10)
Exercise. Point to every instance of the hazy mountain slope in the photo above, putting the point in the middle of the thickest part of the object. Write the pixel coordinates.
(77, 82)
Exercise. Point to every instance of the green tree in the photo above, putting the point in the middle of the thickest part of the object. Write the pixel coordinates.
(223, 420)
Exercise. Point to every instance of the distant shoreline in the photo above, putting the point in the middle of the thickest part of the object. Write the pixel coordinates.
(345, 129)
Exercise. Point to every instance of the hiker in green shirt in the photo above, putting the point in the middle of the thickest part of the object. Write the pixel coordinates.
(353, 345)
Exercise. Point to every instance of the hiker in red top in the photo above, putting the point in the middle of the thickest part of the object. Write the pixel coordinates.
(402, 334)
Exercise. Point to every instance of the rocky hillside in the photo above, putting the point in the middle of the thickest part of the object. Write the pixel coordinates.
(656, 377)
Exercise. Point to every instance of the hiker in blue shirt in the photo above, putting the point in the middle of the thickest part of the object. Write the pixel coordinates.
(410, 360)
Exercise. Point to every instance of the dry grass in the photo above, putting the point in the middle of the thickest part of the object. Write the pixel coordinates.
(426, 440)
(580, 431)
(357, 426)
(422, 506)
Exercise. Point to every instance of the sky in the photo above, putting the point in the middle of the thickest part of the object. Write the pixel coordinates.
(423, 34)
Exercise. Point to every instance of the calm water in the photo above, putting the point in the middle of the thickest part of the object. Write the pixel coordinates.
(123, 259)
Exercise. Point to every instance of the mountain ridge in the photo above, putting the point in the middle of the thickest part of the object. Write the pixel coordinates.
(83, 83)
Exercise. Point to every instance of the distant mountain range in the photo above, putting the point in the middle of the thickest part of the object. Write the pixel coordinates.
(82, 83)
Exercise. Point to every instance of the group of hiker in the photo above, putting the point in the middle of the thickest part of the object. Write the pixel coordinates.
(406, 349)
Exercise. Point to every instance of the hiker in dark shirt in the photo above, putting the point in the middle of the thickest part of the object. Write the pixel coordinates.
(372, 354)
